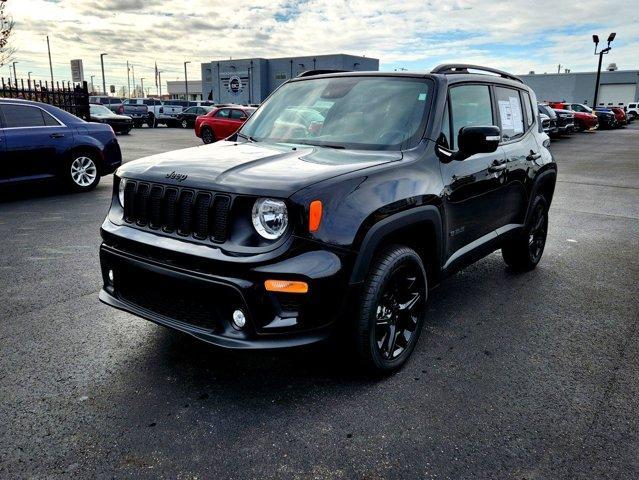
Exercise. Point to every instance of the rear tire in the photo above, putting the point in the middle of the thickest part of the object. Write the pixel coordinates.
(207, 135)
(81, 172)
(184, 124)
(392, 309)
(152, 122)
(524, 252)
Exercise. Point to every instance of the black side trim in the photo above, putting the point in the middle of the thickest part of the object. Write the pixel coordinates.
(542, 179)
(426, 213)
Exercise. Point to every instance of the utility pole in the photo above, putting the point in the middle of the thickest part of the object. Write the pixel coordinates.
(133, 76)
(128, 80)
(559, 68)
(186, 82)
(142, 82)
(92, 87)
(103, 80)
(29, 75)
(15, 76)
(50, 64)
(160, 83)
(595, 39)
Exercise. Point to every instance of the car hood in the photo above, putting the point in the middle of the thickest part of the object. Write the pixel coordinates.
(252, 168)
(110, 117)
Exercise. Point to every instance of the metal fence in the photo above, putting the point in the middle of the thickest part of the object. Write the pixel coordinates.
(72, 98)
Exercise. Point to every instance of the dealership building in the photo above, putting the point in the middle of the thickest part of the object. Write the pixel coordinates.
(618, 87)
(251, 80)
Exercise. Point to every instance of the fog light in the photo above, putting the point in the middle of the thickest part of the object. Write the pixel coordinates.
(239, 319)
(110, 275)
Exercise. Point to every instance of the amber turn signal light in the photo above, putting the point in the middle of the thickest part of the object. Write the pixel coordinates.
(285, 286)
(314, 215)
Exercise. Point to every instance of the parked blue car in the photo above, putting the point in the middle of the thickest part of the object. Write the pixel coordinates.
(40, 141)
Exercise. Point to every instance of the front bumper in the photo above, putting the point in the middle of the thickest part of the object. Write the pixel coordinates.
(199, 297)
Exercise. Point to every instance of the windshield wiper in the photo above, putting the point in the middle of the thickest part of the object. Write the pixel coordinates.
(246, 137)
(327, 145)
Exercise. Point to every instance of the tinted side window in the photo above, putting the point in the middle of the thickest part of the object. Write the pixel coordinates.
(49, 121)
(237, 114)
(510, 113)
(528, 108)
(149, 102)
(223, 113)
(22, 116)
(469, 106)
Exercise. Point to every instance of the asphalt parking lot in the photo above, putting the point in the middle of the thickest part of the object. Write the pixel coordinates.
(529, 376)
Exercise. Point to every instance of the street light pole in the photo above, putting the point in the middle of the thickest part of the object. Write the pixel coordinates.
(50, 63)
(92, 87)
(160, 83)
(103, 80)
(15, 76)
(128, 80)
(186, 82)
(595, 39)
(29, 75)
(142, 81)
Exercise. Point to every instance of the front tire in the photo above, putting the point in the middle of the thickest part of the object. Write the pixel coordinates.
(524, 252)
(81, 172)
(392, 310)
(184, 124)
(207, 135)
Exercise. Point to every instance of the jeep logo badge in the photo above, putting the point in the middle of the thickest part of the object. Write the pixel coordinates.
(180, 177)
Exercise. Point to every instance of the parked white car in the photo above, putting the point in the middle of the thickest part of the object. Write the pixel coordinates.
(633, 110)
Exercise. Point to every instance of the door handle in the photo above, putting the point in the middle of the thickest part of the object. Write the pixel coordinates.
(497, 165)
(57, 135)
(533, 156)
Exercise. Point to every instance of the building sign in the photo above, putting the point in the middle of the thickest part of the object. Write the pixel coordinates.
(77, 71)
(235, 84)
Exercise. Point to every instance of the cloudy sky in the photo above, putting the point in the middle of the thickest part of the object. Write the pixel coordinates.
(514, 35)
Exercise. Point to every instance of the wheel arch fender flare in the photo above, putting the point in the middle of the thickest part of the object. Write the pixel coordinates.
(425, 214)
(544, 183)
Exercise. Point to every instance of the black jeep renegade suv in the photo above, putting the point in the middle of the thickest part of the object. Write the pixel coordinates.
(336, 207)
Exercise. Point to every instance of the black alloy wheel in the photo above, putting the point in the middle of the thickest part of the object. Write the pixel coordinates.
(207, 135)
(537, 233)
(523, 252)
(398, 311)
(392, 310)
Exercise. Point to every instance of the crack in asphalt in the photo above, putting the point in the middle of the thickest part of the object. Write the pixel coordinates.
(596, 416)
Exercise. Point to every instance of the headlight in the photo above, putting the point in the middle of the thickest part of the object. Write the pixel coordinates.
(270, 217)
(121, 191)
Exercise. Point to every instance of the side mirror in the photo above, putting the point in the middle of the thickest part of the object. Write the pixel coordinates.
(474, 140)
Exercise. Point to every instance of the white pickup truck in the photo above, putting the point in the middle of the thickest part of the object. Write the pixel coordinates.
(172, 108)
(160, 113)
(633, 110)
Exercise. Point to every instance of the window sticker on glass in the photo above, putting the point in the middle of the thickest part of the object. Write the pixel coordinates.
(421, 97)
(505, 112)
(518, 121)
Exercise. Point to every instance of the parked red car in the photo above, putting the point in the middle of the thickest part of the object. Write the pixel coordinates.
(584, 118)
(620, 115)
(221, 122)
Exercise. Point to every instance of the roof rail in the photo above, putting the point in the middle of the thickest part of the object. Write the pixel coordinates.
(450, 68)
(310, 73)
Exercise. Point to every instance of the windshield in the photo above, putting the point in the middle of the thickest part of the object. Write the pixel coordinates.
(100, 110)
(372, 113)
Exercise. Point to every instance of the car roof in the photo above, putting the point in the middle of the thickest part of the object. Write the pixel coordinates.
(63, 115)
(451, 78)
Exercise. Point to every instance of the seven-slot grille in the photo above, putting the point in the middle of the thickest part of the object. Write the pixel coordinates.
(200, 214)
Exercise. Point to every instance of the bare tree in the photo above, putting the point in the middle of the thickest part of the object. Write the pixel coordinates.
(6, 28)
